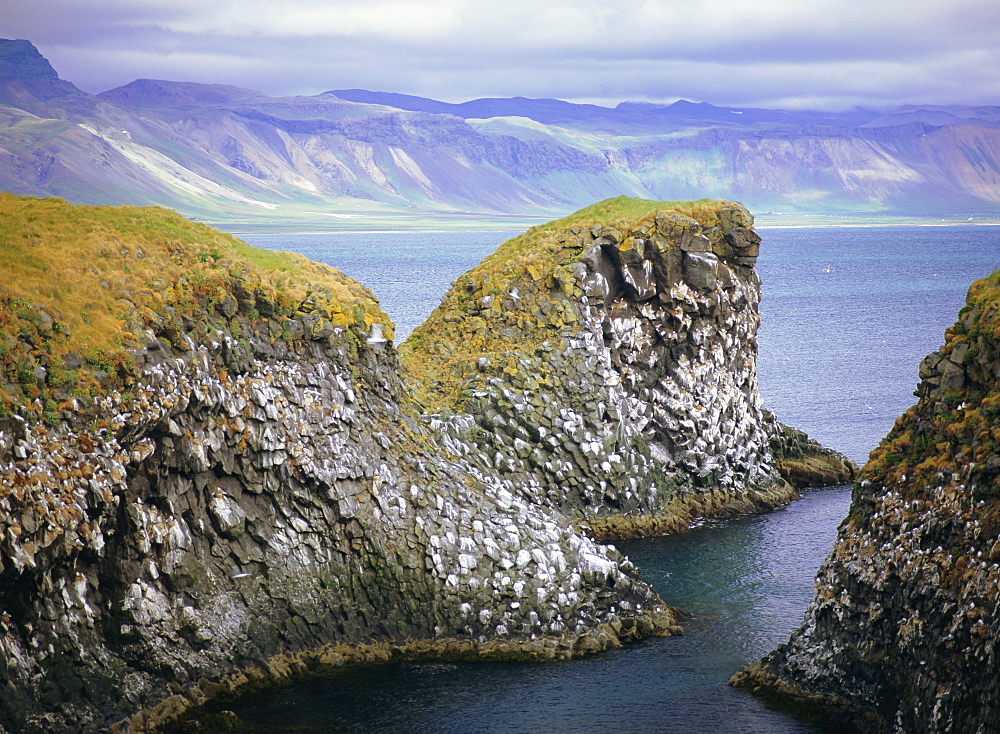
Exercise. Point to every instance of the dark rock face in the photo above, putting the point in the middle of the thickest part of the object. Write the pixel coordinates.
(901, 636)
(250, 493)
(630, 400)
(239, 486)
(233, 514)
(28, 81)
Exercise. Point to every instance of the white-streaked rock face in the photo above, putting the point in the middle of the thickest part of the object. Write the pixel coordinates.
(643, 395)
(240, 505)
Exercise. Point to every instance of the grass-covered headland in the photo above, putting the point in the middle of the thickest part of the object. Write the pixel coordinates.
(82, 287)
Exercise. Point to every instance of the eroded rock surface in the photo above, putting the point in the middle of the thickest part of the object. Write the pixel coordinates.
(902, 634)
(248, 495)
(212, 472)
(611, 368)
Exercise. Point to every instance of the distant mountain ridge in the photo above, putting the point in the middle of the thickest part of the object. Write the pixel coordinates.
(349, 155)
(555, 111)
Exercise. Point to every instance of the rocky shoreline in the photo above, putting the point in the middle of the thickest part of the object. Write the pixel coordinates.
(901, 635)
(236, 485)
(185, 710)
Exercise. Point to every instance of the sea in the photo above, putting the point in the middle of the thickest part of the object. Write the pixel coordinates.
(846, 316)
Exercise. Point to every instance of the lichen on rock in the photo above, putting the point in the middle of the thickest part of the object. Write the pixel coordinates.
(213, 471)
(901, 636)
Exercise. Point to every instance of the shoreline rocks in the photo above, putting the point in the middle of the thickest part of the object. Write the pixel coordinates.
(184, 710)
(216, 467)
(901, 636)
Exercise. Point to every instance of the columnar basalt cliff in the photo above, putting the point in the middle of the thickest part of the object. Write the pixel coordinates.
(210, 473)
(607, 362)
(902, 635)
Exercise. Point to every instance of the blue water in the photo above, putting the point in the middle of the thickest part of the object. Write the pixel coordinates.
(847, 315)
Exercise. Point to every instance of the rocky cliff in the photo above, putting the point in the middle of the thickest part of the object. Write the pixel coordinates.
(210, 473)
(902, 634)
(607, 362)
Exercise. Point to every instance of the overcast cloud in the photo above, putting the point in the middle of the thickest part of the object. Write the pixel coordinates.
(830, 54)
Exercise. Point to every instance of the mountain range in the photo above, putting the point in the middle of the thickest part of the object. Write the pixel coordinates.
(226, 153)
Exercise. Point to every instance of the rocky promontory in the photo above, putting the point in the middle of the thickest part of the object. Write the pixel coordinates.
(213, 473)
(902, 634)
(607, 362)
(210, 473)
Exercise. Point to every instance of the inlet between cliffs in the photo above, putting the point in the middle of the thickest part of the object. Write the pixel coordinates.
(901, 635)
(214, 471)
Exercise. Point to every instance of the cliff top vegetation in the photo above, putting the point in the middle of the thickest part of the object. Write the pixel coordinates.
(80, 285)
(952, 434)
(506, 308)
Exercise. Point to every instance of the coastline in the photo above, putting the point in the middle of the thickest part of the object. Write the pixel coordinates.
(762, 221)
(184, 710)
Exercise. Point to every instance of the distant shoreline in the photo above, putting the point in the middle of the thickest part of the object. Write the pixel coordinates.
(762, 222)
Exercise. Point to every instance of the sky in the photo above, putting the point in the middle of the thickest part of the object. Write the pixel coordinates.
(825, 54)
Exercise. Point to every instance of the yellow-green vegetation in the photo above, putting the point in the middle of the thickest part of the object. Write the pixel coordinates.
(80, 285)
(953, 432)
(621, 212)
(521, 295)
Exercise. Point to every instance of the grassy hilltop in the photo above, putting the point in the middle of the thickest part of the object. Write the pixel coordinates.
(538, 266)
(80, 287)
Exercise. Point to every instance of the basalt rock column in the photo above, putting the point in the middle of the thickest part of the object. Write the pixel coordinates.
(607, 363)
(211, 473)
(902, 633)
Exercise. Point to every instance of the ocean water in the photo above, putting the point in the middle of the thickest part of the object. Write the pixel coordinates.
(847, 314)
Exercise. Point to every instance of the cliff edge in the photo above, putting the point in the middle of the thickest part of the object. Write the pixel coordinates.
(607, 362)
(902, 634)
(211, 474)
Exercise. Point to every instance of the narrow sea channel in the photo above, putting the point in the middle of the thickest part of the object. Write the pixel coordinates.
(741, 579)
(847, 315)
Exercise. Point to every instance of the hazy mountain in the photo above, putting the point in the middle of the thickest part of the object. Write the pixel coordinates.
(626, 115)
(224, 152)
(937, 115)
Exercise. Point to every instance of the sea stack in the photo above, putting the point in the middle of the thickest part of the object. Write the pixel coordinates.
(902, 634)
(215, 474)
(607, 362)
(211, 474)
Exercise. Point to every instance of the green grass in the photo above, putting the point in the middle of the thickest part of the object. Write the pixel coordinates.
(439, 357)
(88, 280)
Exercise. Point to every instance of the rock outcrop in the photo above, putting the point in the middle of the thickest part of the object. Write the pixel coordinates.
(607, 363)
(902, 635)
(211, 473)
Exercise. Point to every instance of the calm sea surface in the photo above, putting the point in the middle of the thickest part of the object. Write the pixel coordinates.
(847, 315)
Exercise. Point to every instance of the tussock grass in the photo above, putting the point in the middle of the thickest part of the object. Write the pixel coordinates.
(620, 212)
(439, 357)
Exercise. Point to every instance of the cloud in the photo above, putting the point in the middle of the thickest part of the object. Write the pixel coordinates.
(828, 53)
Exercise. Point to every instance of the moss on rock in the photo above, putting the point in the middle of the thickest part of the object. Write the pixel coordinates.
(607, 360)
(901, 635)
